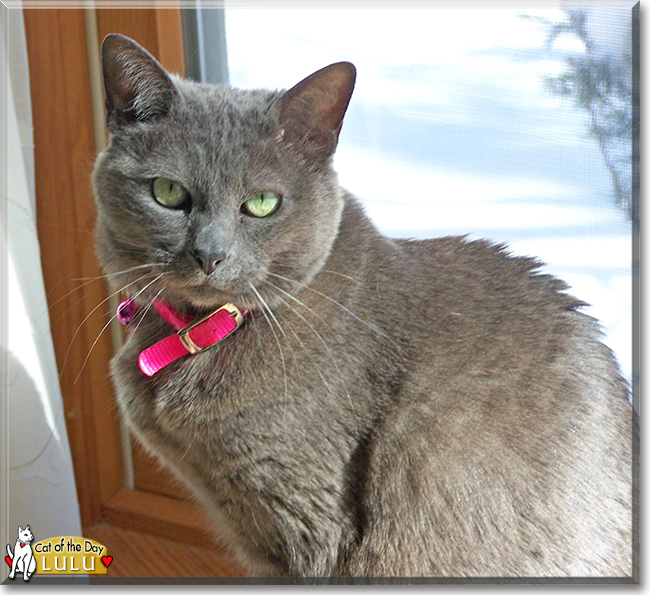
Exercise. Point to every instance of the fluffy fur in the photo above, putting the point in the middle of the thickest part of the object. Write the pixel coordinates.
(390, 407)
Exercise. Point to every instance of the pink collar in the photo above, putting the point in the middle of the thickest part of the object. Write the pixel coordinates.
(192, 336)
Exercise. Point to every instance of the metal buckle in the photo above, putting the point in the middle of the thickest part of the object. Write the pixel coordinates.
(191, 346)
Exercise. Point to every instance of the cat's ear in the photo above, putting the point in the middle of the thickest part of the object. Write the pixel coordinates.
(137, 86)
(311, 113)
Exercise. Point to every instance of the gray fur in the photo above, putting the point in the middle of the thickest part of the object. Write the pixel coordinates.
(406, 408)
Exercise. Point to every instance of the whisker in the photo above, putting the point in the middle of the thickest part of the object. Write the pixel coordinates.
(341, 275)
(65, 359)
(86, 281)
(65, 312)
(144, 311)
(49, 293)
(265, 306)
(146, 247)
(91, 348)
(290, 264)
(124, 272)
(311, 359)
(320, 338)
(257, 334)
(113, 317)
(299, 302)
(347, 310)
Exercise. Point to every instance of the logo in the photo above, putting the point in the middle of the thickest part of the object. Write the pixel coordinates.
(57, 555)
(22, 558)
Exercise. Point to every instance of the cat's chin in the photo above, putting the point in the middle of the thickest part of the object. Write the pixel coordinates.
(202, 306)
(202, 299)
(199, 301)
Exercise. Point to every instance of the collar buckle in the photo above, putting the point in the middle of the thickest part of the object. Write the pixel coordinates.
(184, 333)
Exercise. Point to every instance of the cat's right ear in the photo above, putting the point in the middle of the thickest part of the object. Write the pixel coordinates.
(137, 86)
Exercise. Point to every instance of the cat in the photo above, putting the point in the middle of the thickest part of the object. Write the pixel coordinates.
(22, 558)
(383, 407)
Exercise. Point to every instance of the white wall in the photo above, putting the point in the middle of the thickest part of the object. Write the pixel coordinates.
(38, 481)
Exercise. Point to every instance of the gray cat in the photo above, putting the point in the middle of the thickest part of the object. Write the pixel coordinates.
(377, 407)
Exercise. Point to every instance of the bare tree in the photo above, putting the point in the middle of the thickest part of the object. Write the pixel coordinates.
(601, 84)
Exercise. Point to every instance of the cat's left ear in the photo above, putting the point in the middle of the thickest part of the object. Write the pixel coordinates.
(311, 113)
(137, 86)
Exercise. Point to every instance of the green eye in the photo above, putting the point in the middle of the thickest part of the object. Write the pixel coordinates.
(169, 194)
(261, 204)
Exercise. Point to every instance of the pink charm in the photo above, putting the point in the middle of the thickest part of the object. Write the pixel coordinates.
(126, 311)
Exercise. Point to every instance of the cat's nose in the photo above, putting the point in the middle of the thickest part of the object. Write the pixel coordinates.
(207, 260)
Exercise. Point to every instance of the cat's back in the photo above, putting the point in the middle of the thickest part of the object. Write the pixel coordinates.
(512, 426)
(475, 307)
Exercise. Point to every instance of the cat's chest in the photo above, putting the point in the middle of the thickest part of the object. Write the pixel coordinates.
(255, 386)
(207, 387)
(202, 388)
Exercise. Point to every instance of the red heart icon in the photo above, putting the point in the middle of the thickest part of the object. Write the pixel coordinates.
(8, 560)
(107, 560)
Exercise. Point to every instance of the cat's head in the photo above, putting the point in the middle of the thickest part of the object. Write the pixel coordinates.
(205, 191)
(25, 535)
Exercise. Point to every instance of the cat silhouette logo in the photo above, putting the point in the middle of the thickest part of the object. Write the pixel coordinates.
(22, 559)
(57, 555)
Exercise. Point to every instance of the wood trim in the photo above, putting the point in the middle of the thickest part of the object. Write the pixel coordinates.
(149, 476)
(137, 554)
(170, 39)
(157, 29)
(160, 515)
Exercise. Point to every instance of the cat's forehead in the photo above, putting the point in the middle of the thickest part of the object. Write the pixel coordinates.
(211, 132)
(220, 108)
